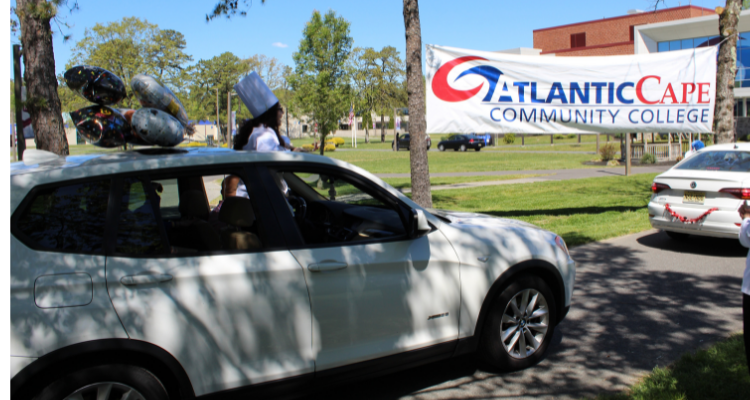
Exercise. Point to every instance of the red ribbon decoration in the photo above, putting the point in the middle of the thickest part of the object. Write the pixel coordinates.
(686, 220)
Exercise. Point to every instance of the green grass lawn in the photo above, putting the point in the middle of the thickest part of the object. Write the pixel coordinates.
(381, 162)
(719, 372)
(579, 210)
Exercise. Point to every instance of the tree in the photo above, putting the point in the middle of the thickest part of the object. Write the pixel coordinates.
(220, 73)
(42, 101)
(130, 47)
(320, 82)
(727, 70)
(420, 169)
(363, 85)
(388, 72)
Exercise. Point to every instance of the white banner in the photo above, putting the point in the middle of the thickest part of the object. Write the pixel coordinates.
(478, 91)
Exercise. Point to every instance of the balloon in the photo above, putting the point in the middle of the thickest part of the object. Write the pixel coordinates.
(153, 94)
(101, 125)
(157, 127)
(95, 84)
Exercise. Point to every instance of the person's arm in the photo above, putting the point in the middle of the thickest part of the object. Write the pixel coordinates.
(744, 235)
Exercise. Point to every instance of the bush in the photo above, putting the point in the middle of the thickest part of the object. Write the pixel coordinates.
(509, 138)
(337, 141)
(196, 144)
(648, 158)
(612, 163)
(572, 136)
(329, 147)
(307, 147)
(559, 137)
(607, 152)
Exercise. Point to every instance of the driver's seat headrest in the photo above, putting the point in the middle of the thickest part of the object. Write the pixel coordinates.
(237, 211)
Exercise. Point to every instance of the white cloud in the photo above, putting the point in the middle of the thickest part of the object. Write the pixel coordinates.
(279, 44)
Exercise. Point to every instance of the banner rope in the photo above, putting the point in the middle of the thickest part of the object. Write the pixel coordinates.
(686, 220)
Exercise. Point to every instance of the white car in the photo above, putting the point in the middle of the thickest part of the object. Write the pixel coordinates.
(701, 194)
(127, 283)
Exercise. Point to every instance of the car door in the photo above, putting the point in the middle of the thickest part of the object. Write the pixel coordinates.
(231, 315)
(374, 291)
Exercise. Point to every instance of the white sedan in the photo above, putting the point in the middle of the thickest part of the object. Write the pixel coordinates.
(133, 276)
(701, 194)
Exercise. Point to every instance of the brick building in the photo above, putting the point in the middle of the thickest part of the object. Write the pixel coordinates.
(608, 36)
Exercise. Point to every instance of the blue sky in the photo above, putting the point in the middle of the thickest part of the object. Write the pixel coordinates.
(275, 28)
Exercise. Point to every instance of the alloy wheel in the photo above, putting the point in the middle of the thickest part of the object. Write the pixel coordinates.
(106, 391)
(524, 323)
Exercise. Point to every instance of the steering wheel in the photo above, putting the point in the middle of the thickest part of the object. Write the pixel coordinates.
(300, 208)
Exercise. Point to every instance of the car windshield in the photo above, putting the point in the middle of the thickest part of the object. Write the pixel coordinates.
(727, 160)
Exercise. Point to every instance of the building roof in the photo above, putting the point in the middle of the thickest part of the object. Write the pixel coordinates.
(706, 10)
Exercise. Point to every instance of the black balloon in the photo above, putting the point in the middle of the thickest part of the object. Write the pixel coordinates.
(102, 126)
(95, 84)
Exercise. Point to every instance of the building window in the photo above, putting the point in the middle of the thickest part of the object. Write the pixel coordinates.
(578, 40)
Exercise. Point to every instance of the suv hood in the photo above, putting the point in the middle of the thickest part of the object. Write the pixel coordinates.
(476, 219)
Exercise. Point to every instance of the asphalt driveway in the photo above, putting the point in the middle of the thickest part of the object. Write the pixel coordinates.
(640, 301)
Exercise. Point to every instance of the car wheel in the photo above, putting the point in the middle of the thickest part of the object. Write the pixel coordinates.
(441, 147)
(106, 382)
(463, 147)
(428, 148)
(477, 149)
(680, 237)
(520, 325)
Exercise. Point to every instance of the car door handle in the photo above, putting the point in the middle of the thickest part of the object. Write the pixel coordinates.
(145, 279)
(327, 266)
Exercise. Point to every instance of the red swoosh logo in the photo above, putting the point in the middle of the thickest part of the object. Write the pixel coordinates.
(442, 89)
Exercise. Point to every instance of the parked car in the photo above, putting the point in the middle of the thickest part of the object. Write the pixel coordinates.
(461, 142)
(404, 140)
(701, 194)
(125, 279)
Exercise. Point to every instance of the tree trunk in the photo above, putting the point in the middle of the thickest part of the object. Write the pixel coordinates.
(420, 169)
(382, 128)
(42, 100)
(322, 143)
(727, 68)
(367, 135)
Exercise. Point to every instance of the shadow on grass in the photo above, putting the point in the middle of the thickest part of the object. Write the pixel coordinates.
(562, 211)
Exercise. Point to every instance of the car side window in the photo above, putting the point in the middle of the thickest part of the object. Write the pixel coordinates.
(69, 218)
(333, 209)
(138, 232)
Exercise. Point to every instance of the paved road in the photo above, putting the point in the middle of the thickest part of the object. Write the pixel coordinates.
(640, 301)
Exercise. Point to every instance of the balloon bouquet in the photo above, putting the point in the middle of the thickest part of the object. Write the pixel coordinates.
(162, 121)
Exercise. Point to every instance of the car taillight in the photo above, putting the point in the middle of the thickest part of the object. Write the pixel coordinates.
(739, 193)
(471, 140)
(561, 244)
(658, 187)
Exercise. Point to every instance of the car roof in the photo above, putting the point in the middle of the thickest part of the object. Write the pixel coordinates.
(727, 146)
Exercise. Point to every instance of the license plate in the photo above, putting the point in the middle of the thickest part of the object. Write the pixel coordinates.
(694, 197)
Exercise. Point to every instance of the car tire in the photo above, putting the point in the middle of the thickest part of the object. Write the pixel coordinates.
(428, 148)
(500, 345)
(441, 147)
(463, 147)
(680, 237)
(477, 149)
(115, 379)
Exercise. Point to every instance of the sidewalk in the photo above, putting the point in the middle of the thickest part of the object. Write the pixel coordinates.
(550, 175)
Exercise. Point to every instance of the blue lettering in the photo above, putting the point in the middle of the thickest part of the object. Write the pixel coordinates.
(528, 117)
(680, 116)
(521, 90)
(506, 116)
(505, 98)
(611, 97)
(552, 115)
(533, 94)
(704, 115)
(657, 117)
(692, 117)
(492, 112)
(600, 115)
(630, 116)
(644, 118)
(583, 95)
(613, 115)
(619, 93)
(570, 116)
(582, 116)
(599, 86)
(557, 88)
(668, 121)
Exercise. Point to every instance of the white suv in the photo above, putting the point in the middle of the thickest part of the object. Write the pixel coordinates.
(131, 276)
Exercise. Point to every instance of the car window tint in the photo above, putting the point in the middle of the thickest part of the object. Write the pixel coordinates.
(169, 202)
(331, 209)
(69, 218)
(138, 232)
(737, 161)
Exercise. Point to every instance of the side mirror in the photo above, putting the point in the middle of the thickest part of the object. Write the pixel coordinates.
(418, 223)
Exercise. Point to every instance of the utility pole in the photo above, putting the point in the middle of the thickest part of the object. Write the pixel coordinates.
(17, 87)
(218, 129)
(229, 119)
(627, 154)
